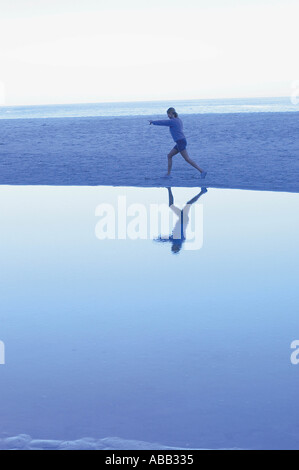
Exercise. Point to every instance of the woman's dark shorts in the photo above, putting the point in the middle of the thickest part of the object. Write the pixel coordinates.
(180, 145)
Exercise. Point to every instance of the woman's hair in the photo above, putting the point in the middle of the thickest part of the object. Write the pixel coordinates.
(172, 110)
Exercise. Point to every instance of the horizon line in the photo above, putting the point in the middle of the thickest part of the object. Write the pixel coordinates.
(143, 101)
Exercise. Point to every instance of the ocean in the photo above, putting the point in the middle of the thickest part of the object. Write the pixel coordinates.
(147, 108)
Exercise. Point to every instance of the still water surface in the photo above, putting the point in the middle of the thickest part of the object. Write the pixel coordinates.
(130, 338)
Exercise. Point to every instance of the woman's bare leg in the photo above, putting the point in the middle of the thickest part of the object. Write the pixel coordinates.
(184, 153)
(169, 156)
(175, 209)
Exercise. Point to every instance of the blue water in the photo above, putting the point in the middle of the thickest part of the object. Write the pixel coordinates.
(144, 338)
(204, 106)
(124, 338)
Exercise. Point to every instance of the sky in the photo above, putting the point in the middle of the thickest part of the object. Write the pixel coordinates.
(75, 51)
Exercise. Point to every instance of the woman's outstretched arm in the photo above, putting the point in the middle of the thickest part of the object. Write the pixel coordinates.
(163, 122)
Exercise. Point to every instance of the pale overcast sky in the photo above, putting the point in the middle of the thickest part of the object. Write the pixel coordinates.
(68, 51)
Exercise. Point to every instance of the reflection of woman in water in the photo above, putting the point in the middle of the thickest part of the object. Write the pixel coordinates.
(178, 234)
(176, 129)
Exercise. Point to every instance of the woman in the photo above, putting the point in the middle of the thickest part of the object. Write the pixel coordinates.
(176, 129)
